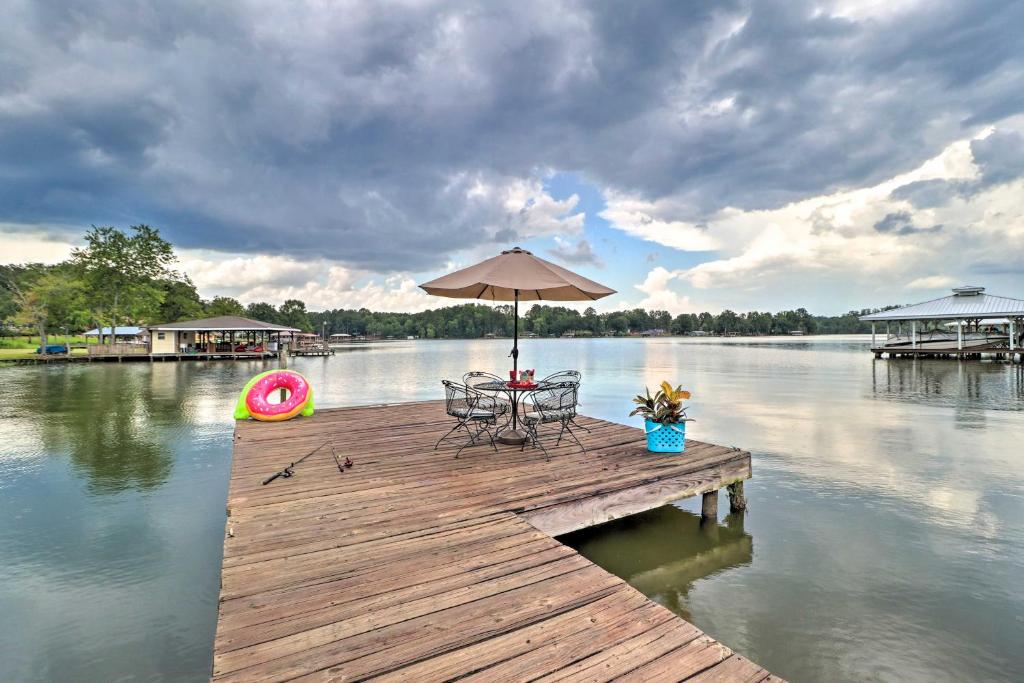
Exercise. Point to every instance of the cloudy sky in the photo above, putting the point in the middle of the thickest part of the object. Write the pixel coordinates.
(695, 156)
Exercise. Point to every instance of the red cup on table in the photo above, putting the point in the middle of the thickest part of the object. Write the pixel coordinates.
(511, 375)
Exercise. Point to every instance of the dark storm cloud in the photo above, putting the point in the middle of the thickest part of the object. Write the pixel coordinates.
(363, 132)
(928, 194)
(902, 223)
(1000, 159)
(1000, 156)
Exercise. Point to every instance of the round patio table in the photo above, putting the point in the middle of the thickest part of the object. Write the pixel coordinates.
(512, 436)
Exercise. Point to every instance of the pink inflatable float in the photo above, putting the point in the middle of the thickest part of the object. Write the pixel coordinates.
(254, 400)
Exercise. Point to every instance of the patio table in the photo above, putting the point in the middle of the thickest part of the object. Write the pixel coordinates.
(512, 435)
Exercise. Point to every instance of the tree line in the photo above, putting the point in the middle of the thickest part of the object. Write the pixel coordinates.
(470, 321)
(121, 278)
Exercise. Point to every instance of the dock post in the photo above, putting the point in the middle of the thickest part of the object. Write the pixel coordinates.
(709, 507)
(737, 500)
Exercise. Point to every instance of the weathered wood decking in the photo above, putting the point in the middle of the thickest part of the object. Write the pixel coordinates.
(415, 566)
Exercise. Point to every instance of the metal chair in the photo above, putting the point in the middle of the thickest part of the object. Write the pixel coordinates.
(473, 379)
(475, 411)
(563, 376)
(554, 404)
(571, 376)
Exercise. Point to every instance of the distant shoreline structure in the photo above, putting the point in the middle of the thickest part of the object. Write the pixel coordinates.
(966, 324)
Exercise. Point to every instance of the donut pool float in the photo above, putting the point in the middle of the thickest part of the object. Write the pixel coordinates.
(254, 400)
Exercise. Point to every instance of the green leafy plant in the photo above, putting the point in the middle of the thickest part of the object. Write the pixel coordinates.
(665, 407)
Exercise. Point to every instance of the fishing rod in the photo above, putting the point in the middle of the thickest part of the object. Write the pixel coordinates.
(289, 471)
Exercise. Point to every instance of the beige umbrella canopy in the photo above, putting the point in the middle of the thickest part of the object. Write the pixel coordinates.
(516, 275)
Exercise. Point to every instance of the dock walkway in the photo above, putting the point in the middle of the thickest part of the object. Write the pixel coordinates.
(416, 566)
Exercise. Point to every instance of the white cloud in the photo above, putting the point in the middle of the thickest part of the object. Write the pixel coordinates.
(518, 208)
(28, 244)
(659, 296)
(320, 283)
(652, 221)
(931, 282)
(862, 237)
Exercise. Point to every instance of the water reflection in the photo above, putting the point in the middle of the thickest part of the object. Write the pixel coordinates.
(109, 429)
(971, 388)
(113, 489)
(887, 500)
(663, 552)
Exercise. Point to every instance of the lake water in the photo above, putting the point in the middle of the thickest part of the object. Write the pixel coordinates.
(884, 539)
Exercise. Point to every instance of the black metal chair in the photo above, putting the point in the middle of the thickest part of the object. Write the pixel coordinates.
(563, 376)
(475, 411)
(571, 376)
(554, 404)
(475, 379)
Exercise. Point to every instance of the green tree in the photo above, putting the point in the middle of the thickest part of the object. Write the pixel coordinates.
(123, 271)
(293, 314)
(618, 323)
(262, 311)
(46, 297)
(181, 301)
(224, 305)
(683, 323)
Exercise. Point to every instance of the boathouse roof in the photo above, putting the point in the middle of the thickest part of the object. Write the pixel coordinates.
(223, 323)
(126, 331)
(967, 302)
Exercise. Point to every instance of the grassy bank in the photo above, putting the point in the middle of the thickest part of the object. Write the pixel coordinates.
(33, 342)
(24, 354)
(22, 348)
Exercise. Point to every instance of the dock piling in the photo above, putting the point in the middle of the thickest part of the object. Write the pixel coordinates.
(737, 500)
(709, 507)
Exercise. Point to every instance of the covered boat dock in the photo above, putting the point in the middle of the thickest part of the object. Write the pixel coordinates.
(226, 336)
(966, 324)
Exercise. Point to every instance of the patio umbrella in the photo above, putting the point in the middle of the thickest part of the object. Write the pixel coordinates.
(516, 275)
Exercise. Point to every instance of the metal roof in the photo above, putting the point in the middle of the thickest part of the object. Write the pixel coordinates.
(127, 331)
(965, 302)
(223, 323)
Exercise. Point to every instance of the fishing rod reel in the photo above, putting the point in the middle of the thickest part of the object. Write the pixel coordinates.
(288, 471)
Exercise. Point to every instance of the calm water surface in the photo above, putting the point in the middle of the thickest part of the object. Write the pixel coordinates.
(884, 540)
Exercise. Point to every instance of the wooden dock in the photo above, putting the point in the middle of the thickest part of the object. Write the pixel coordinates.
(148, 357)
(416, 566)
(997, 351)
(317, 349)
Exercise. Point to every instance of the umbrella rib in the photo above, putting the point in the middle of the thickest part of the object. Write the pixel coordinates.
(482, 290)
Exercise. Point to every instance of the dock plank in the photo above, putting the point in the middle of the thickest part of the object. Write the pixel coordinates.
(416, 566)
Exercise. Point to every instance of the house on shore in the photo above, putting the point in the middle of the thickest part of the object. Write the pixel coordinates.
(981, 324)
(222, 337)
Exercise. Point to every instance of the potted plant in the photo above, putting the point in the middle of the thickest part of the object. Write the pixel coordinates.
(664, 418)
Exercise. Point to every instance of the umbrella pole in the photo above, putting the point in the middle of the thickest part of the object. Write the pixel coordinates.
(514, 436)
(515, 337)
(515, 357)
